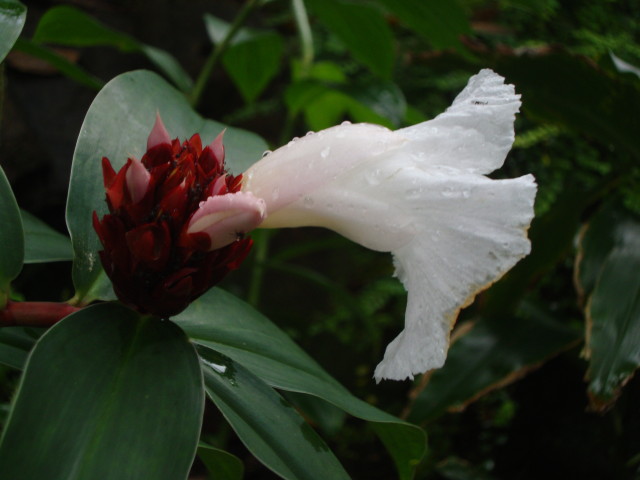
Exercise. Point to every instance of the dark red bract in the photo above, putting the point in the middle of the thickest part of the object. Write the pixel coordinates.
(155, 264)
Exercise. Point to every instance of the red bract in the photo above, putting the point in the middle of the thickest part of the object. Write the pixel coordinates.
(159, 255)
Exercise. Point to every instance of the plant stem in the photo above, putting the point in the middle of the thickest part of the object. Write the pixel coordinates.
(207, 69)
(306, 39)
(34, 314)
(262, 251)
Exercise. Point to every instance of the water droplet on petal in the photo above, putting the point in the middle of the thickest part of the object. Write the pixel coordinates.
(308, 201)
(325, 152)
(275, 193)
(265, 153)
(346, 122)
(309, 133)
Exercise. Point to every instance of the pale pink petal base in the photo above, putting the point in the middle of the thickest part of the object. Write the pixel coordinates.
(225, 218)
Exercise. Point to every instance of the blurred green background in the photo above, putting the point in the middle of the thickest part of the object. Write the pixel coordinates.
(539, 381)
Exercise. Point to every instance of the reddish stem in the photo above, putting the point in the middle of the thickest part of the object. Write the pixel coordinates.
(34, 314)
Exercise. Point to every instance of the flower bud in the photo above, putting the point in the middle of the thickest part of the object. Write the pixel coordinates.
(176, 223)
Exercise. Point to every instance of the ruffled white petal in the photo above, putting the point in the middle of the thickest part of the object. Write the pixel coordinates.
(475, 133)
(419, 193)
(468, 234)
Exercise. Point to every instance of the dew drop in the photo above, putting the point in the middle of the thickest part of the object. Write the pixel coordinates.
(275, 193)
(346, 122)
(309, 133)
(325, 152)
(308, 201)
(265, 153)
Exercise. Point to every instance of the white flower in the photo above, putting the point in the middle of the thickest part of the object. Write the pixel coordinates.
(420, 193)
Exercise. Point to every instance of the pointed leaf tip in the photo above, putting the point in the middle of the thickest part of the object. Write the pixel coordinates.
(158, 134)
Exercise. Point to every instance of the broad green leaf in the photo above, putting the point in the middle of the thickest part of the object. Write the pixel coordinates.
(42, 243)
(117, 126)
(220, 321)
(253, 63)
(221, 465)
(106, 394)
(11, 237)
(65, 25)
(439, 22)
(63, 65)
(607, 271)
(326, 416)
(16, 343)
(362, 29)
(12, 17)
(568, 91)
(384, 99)
(268, 426)
(492, 354)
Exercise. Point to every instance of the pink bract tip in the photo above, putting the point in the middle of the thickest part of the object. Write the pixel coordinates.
(158, 134)
(217, 147)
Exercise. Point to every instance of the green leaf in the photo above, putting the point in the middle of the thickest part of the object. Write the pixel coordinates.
(12, 17)
(106, 394)
(65, 25)
(253, 63)
(11, 237)
(568, 91)
(382, 99)
(607, 270)
(492, 354)
(268, 426)
(63, 65)
(362, 29)
(220, 321)
(42, 243)
(326, 416)
(16, 343)
(221, 465)
(117, 126)
(439, 22)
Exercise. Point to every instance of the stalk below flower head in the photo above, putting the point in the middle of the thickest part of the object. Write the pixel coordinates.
(176, 223)
(420, 193)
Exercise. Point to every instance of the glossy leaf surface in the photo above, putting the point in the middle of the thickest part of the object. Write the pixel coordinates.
(492, 354)
(12, 18)
(222, 322)
(124, 399)
(608, 267)
(11, 236)
(253, 63)
(221, 465)
(67, 25)
(268, 426)
(63, 65)
(362, 29)
(440, 22)
(42, 243)
(117, 126)
(16, 343)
